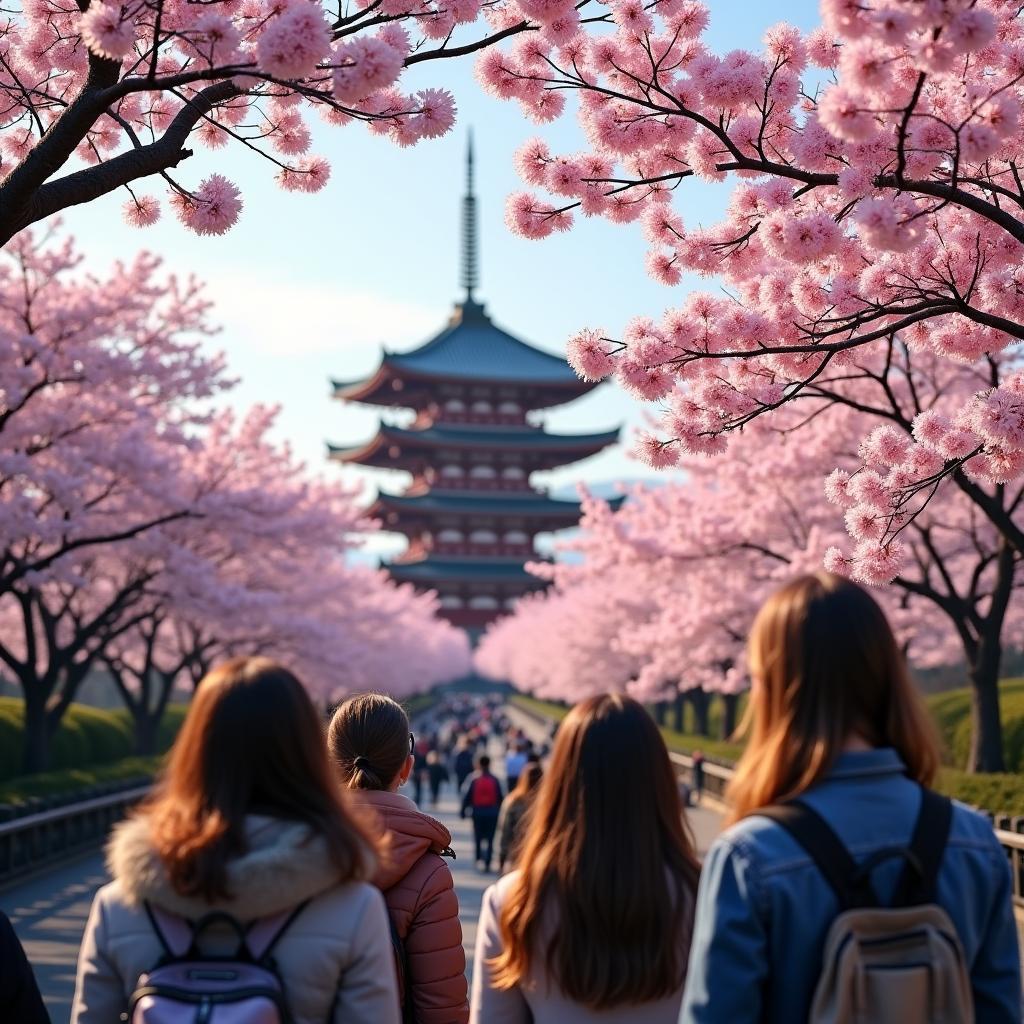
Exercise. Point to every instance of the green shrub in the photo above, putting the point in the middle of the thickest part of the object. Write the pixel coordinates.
(72, 780)
(87, 736)
(1000, 794)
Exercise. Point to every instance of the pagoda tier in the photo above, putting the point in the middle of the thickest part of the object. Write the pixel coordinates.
(456, 524)
(473, 372)
(470, 514)
(459, 449)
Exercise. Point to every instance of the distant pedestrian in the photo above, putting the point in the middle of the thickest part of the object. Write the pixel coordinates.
(698, 774)
(594, 927)
(247, 861)
(463, 763)
(793, 918)
(437, 775)
(19, 993)
(515, 762)
(481, 800)
(513, 814)
(369, 739)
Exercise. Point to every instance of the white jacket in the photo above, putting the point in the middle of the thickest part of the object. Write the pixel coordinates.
(336, 958)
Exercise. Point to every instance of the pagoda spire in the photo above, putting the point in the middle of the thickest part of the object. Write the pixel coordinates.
(470, 244)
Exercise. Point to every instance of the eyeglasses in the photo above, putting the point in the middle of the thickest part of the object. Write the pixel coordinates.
(412, 743)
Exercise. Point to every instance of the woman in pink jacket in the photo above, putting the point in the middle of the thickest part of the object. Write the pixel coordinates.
(370, 740)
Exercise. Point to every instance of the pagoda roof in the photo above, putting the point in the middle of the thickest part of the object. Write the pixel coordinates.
(506, 503)
(439, 570)
(473, 349)
(471, 436)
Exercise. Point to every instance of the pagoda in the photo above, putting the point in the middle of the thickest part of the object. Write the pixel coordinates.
(470, 513)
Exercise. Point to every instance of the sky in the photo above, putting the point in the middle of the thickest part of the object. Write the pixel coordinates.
(306, 288)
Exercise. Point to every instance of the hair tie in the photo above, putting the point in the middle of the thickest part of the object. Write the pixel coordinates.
(361, 763)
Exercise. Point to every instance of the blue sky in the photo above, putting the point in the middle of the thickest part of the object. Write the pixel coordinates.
(309, 287)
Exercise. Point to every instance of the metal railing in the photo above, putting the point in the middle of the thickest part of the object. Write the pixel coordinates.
(33, 841)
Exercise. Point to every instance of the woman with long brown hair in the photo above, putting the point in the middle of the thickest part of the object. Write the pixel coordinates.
(371, 744)
(248, 833)
(839, 758)
(596, 924)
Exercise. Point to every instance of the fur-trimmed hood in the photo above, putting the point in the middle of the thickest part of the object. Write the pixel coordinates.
(285, 864)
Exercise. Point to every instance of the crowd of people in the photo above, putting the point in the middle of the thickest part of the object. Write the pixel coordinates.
(275, 863)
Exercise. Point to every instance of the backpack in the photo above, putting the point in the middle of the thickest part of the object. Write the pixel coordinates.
(902, 964)
(188, 986)
(485, 792)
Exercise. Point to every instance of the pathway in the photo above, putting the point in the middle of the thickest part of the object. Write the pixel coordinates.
(50, 912)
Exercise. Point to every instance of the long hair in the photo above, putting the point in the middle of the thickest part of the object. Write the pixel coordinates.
(529, 781)
(252, 742)
(369, 740)
(826, 666)
(606, 850)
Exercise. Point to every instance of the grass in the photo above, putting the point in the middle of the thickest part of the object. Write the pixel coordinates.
(72, 781)
(952, 711)
(999, 793)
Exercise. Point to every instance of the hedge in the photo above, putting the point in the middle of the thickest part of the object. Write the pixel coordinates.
(87, 737)
(46, 785)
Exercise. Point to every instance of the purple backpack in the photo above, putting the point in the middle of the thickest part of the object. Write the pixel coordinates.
(188, 986)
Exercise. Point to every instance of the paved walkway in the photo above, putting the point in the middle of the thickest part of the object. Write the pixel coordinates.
(50, 912)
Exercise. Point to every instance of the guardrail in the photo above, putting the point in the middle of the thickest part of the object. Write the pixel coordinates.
(35, 840)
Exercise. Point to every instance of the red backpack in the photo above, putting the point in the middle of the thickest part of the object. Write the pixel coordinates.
(485, 792)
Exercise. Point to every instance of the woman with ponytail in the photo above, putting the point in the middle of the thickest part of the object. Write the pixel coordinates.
(371, 743)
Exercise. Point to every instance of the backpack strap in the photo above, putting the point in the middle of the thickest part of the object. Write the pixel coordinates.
(174, 933)
(262, 935)
(919, 881)
(852, 888)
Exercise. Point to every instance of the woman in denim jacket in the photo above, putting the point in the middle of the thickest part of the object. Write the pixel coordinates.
(835, 720)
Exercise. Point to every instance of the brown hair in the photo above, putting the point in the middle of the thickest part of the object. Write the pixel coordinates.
(369, 740)
(826, 666)
(606, 845)
(252, 742)
(529, 780)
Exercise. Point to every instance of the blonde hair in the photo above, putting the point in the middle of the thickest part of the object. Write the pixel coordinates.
(826, 666)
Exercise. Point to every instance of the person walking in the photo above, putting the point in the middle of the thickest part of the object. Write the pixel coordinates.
(515, 762)
(370, 742)
(839, 758)
(481, 800)
(595, 925)
(247, 851)
(19, 992)
(437, 775)
(463, 763)
(513, 812)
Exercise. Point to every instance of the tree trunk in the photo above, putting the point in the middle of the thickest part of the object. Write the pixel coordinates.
(147, 725)
(986, 753)
(660, 711)
(679, 713)
(700, 701)
(36, 753)
(730, 705)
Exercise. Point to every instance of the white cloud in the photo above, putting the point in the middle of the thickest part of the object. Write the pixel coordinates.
(278, 316)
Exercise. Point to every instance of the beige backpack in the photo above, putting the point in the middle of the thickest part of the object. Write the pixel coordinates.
(901, 964)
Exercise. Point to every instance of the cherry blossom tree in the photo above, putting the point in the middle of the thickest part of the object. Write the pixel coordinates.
(669, 585)
(874, 192)
(98, 95)
(139, 529)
